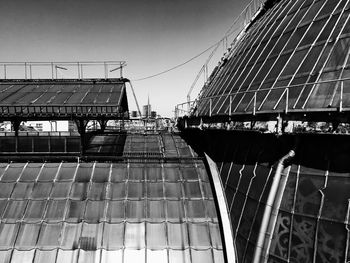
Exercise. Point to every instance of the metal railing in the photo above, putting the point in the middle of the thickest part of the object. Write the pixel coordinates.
(62, 70)
(192, 107)
(231, 35)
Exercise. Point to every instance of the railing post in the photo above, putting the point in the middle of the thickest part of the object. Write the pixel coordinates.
(105, 69)
(5, 71)
(25, 70)
(210, 105)
(52, 70)
(287, 100)
(78, 70)
(254, 103)
(341, 96)
(30, 71)
(230, 106)
(82, 72)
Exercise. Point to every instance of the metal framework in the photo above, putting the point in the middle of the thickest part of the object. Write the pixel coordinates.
(54, 70)
(294, 59)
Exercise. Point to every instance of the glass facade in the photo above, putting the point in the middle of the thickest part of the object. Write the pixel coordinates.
(136, 210)
(294, 57)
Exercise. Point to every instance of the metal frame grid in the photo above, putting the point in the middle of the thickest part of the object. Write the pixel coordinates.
(56, 99)
(293, 59)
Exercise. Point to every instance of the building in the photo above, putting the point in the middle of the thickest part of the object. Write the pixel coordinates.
(100, 195)
(287, 192)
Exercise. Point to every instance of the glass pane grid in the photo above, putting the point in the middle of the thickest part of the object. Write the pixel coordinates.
(74, 212)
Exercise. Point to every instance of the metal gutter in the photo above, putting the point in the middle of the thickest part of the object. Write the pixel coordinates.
(264, 236)
(231, 254)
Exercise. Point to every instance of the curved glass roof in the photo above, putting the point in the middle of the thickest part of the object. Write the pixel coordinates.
(294, 57)
(136, 210)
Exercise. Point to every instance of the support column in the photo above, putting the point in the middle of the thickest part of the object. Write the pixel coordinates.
(15, 125)
(81, 124)
(103, 124)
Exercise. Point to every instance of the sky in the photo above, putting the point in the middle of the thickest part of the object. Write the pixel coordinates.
(151, 36)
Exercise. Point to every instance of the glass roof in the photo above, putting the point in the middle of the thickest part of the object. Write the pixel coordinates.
(108, 212)
(295, 57)
(54, 98)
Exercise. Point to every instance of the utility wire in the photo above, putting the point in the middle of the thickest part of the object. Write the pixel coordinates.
(228, 33)
(179, 65)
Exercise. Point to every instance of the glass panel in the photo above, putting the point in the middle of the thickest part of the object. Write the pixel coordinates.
(199, 236)
(35, 211)
(22, 256)
(153, 173)
(13, 172)
(66, 171)
(179, 256)
(84, 172)
(41, 190)
(157, 256)
(215, 235)
(135, 190)
(302, 245)
(49, 171)
(14, 210)
(155, 210)
(156, 236)
(189, 173)
(97, 191)
(171, 172)
(45, 256)
(60, 190)
(135, 235)
(64, 256)
(50, 236)
(112, 256)
(132, 255)
(336, 197)
(101, 172)
(71, 234)
(75, 211)
(173, 190)
(202, 256)
(195, 210)
(119, 172)
(116, 210)
(136, 172)
(22, 190)
(6, 189)
(94, 211)
(175, 211)
(135, 210)
(91, 237)
(192, 190)
(177, 236)
(117, 191)
(8, 234)
(89, 256)
(331, 243)
(308, 197)
(113, 236)
(31, 172)
(155, 190)
(28, 236)
(79, 191)
(55, 210)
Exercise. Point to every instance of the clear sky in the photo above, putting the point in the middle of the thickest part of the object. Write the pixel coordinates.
(151, 35)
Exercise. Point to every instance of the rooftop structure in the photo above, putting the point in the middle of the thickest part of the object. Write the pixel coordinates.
(154, 205)
(287, 193)
(292, 61)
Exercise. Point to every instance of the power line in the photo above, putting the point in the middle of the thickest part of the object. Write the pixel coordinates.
(179, 65)
(228, 33)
